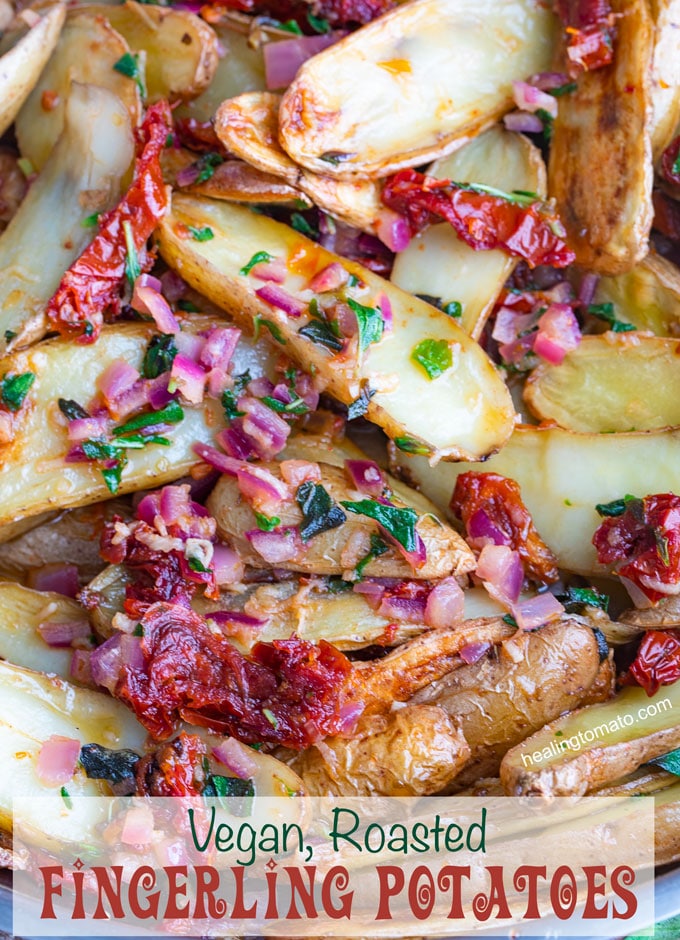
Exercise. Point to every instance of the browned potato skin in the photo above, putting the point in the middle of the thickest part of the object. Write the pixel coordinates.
(667, 832)
(13, 187)
(600, 169)
(665, 615)
(447, 553)
(530, 680)
(415, 751)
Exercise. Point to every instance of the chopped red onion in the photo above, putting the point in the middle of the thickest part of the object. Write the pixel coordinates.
(174, 503)
(267, 430)
(586, 292)
(118, 377)
(371, 590)
(149, 507)
(529, 98)
(227, 565)
(385, 305)
(297, 472)
(260, 387)
(445, 604)
(134, 398)
(501, 570)
(330, 278)
(261, 489)
(403, 609)
(148, 280)
(366, 476)
(79, 669)
(219, 347)
(63, 633)
(188, 175)
(346, 319)
(473, 652)
(217, 381)
(237, 757)
(508, 325)
(189, 378)
(108, 659)
(173, 287)
(223, 617)
(272, 271)
(57, 577)
(348, 716)
(522, 122)
(281, 544)
(547, 81)
(158, 393)
(190, 345)
(393, 230)
(281, 299)
(219, 461)
(57, 759)
(558, 333)
(482, 530)
(283, 59)
(536, 611)
(82, 429)
(234, 441)
(149, 301)
(138, 826)
(416, 558)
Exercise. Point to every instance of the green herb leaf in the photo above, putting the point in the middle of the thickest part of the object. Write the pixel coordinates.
(339, 586)
(454, 309)
(159, 357)
(319, 512)
(260, 257)
(14, 389)
(9, 335)
(576, 598)
(139, 630)
(371, 324)
(127, 65)
(103, 763)
(411, 446)
(187, 306)
(359, 407)
(66, 797)
(320, 332)
(271, 717)
(271, 326)
(266, 523)
(563, 90)
(606, 312)
(669, 762)
(434, 355)
(90, 221)
(112, 476)
(301, 225)
(399, 523)
(137, 441)
(99, 450)
(675, 169)
(519, 197)
(378, 548)
(217, 785)
(132, 268)
(318, 23)
(207, 165)
(173, 413)
(197, 565)
(290, 26)
(547, 120)
(203, 234)
(71, 409)
(510, 620)
(295, 407)
(616, 507)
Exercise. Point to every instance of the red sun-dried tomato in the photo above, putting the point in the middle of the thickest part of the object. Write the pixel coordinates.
(670, 162)
(490, 505)
(287, 692)
(340, 14)
(482, 220)
(658, 660)
(644, 535)
(174, 769)
(589, 27)
(92, 285)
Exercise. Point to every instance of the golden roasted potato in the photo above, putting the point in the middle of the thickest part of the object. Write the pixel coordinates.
(465, 412)
(340, 549)
(612, 382)
(248, 127)
(413, 85)
(563, 475)
(82, 176)
(600, 169)
(513, 691)
(86, 54)
(597, 744)
(415, 751)
(22, 63)
(13, 186)
(665, 74)
(648, 296)
(437, 263)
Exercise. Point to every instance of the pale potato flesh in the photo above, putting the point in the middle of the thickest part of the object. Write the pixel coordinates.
(248, 127)
(562, 475)
(86, 54)
(600, 169)
(648, 296)
(665, 74)
(83, 175)
(466, 412)
(616, 748)
(413, 85)
(437, 262)
(20, 67)
(613, 382)
(21, 613)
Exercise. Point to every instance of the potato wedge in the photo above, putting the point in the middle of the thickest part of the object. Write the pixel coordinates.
(413, 85)
(502, 699)
(613, 382)
(667, 825)
(34, 706)
(437, 263)
(34, 475)
(180, 48)
(82, 176)
(21, 613)
(415, 751)
(21, 65)
(248, 126)
(663, 616)
(563, 475)
(601, 144)
(648, 296)
(466, 412)
(596, 745)
(86, 54)
(339, 549)
(665, 74)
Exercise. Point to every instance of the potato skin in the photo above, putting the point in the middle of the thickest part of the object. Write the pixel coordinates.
(411, 752)
(500, 701)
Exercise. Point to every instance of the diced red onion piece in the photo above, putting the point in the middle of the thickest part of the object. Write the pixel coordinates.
(138, 826)
(63, 633)
(508, 325)
(281, 544)
(586, 292)
(558, 333)
(536, 611)
(57, 577)
(385, 306)
(393, 230)
(522, 122)
(148, 280)
(260, 387)
(346, 319)
(174, 503)
(547, 81)
(283, 59)
(638, 597)
(265, 428)
(149, 507)
(217, 381)
(219, 461)
(261, 489)
(529, 98)
(131, 400)
(190, 345)
(445, 604)
(403, 609)
(501, 570)
(234, 441)
(366, 476)
(416, 558)
(348, 716)
(482, 530)
(187, 376)
(108, 659)
(173, 287)
(237, 757)
(57, 759)
(82, 429)
(331, 278)
(272, 271)
(281, 299)
(157, 390)
(118, 377)
(224, 617)
(188, 175)
(227, 565)
(297, 472)
(371, 590)
(219, 347)
(149, 301)
(473, 652)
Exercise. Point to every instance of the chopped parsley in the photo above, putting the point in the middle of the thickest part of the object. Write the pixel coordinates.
(547, 120)
(319, 512)
(197, 565)
(66, 797)
(398, 523)
(9, 335)
(563, 90)
(260, 257)
(14, 389)
(410, 446)
(371, 324)
(203, 234)
(187, 306)
(669, 762)
(321, 333)
(295, 407)
(173, 413)
(230, 396)
(132, 268)
(318, 23)
(616, 507)
(275, 331)
(217, 785)
(128, 65)
(606, 312)
(576, 598)
(71, 409)
(359, 407)
(90, 220)
(207, 165)
(519, 197)
(139, 630)
(434, 355)
(510, 620)
(266, 523)
(159, 357)
(301, 225)
(378, 548)
(290, 26)
(453, 309)
(112, 476)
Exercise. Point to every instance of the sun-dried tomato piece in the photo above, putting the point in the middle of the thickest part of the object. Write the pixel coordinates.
(658, 660)
(670, 162)
(340, 14)
(287, 692)
(525, 227)
(589, 27)
(92, 285)
(174, 769)
(491, 506)
(644, 534)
